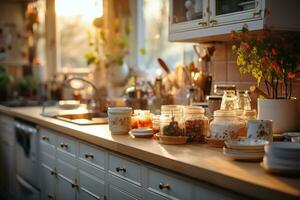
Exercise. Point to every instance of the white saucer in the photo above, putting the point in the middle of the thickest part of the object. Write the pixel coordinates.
(246, 143)
(286, 150)
(272, 168)
(141, 132)
(243, 156)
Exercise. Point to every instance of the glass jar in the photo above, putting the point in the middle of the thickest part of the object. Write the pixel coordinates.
(226, 125)
(195, 124)
(171, 121)
(144, 119)
(229, 101)
(243, 100)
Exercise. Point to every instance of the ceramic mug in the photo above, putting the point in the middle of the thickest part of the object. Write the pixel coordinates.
(260, 129)
(119, 119)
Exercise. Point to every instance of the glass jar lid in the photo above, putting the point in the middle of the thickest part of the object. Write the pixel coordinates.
(224, 113)
(171, 108)
(193, 110)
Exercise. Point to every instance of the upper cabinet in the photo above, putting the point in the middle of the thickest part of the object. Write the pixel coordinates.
(213, 20)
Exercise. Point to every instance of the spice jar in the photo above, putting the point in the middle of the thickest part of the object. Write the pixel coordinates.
(226, 125)
(171, 121)
(144, 119)
(196, 124)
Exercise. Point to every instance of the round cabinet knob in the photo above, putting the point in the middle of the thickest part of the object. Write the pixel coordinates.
(89, 155)
(121, 169)
(164, 186)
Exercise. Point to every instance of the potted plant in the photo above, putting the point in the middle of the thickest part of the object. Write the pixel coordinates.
(108, 49)
(273, 60)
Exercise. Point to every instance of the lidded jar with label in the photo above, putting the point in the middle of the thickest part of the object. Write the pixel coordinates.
(226, 125)
(196, 123)
(171, 121)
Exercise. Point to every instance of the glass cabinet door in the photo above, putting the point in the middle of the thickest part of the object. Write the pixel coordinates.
(231, 11)
(231, 6)
(186, 10)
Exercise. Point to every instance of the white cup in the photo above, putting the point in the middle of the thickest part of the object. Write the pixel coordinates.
(260, 129)
(119, 119)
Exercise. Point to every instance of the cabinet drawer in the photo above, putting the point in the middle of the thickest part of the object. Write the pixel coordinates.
(168, 186)
(48, 160)
(91, 155)
(209, 192)
(116, 193)
(47, 137)
(125, 168)
(90, 187)
(67, 145)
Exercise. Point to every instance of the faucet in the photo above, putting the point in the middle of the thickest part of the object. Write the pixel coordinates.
(95, 104)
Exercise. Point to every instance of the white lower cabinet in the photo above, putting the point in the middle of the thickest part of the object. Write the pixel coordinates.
(48, 181)
(67, 183)
(74, 170)
(7, 161)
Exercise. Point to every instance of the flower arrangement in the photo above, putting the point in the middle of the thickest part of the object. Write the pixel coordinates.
(272, 58)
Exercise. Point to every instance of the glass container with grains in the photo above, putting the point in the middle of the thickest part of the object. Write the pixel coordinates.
(196, 124)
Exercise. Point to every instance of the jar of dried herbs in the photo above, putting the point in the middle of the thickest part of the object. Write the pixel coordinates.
(195, 124)
(171, 121)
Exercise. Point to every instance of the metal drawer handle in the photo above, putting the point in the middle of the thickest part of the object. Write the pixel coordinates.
(213, 22)
(89, 155)
(202, 23)
(257, 14)
(45, 138)
(50, 196)
(164, 186)
(121, 169)
(63, 145)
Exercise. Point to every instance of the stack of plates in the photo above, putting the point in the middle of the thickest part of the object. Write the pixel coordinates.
(245, 149)
(141, 132)
(282, 157)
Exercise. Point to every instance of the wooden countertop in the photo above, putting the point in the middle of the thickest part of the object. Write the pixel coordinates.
(194, 160)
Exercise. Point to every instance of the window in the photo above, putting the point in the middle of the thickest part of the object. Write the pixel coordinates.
(152, 29)
(74, 22)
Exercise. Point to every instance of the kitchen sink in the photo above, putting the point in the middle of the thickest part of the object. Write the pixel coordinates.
(84, 118)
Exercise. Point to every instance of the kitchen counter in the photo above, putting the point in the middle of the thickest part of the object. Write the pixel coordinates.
(198, 161)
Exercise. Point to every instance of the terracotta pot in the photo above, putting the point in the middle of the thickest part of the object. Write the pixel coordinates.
(285, 114)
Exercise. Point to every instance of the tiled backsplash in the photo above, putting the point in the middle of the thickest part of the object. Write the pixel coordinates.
(225, 70)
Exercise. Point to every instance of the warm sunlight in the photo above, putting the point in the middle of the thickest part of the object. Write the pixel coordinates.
(87, 9)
